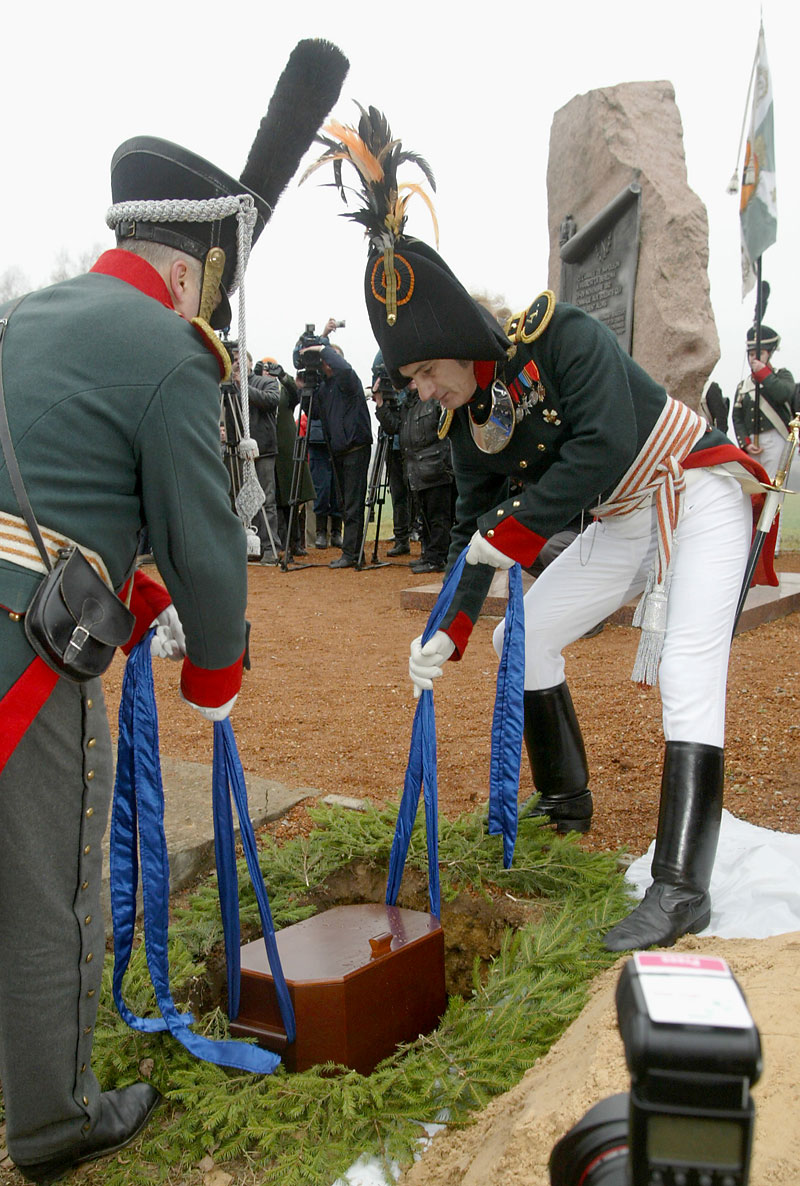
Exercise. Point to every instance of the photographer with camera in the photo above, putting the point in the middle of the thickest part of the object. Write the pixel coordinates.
(346, 424)
(388, 404)
(427, 463)
(327, 512)
(284, 463)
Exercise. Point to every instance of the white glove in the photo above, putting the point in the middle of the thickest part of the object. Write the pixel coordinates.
(425, 662)
(169, 641)
(480, 551)
(247, 449)
(213, 714)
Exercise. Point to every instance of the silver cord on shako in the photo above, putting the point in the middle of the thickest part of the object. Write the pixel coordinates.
(207, 210)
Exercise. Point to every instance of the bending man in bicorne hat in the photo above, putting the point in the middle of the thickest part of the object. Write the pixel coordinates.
(547, 416)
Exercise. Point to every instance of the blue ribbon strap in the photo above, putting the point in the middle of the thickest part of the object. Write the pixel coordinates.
(506, 746)
(139, 806)
(507, 722)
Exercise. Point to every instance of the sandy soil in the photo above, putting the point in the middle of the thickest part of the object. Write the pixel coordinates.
(511, 1140)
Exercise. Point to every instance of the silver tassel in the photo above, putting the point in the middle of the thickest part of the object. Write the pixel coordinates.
(651, 616)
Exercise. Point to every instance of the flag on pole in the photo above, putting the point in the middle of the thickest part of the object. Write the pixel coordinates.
(758, 210)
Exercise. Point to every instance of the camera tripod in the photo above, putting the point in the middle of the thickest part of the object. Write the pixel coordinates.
(231, 417)
(299, 460)
(377, 486)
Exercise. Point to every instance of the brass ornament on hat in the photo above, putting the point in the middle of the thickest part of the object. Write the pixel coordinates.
(212, 276)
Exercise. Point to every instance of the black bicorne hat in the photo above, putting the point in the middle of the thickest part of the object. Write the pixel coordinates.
(434, 315)
(148, 169)
(417, 308)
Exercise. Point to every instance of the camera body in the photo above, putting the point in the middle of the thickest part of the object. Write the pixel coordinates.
(693, 1052)
(309, 368)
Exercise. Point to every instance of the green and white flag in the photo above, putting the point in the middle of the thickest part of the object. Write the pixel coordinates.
(758, 209)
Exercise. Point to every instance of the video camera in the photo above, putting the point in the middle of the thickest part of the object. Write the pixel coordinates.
(380, 375)
(232, 348)
(693, 1052)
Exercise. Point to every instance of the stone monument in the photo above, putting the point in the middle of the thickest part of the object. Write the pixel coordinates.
(628, 237)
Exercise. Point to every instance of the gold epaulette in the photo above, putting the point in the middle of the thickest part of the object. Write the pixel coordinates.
(531, 323)
(213, 343)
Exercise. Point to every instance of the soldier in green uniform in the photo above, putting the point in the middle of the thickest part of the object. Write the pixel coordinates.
(551, 402)
(112, 390)
(767, 440)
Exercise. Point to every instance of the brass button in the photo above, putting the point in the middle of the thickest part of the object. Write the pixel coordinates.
(92, 742)
(90, 703)
(91, 992)
(500, 512)
(15, 617)
(523, 465)
(88, 919)
(490, 533)
(541, 448)
(86, 1101)
(83, 1068)
(90, 773)
(89, 812)
(87, 850)
(89, 958)
(84, 885)
(87, 1029)
(85, 1127)
(515, 503)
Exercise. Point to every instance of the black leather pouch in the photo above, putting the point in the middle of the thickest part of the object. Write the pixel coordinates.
(74, 621)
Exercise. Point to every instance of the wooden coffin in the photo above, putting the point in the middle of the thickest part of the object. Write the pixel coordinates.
(362, 979)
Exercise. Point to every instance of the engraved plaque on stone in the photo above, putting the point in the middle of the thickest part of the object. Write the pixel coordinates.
(598, 264)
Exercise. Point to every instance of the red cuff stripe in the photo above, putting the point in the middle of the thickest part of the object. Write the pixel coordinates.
(210, 688)
(458, 632)
(516, 541)
(148, 600)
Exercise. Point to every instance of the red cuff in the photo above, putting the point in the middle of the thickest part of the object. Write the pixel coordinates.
(458, 632)
(516, 541)
(762, 373)
(209, 688)
(148, 600)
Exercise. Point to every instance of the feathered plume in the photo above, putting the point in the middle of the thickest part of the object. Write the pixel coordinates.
(306, 91)
(376, 156)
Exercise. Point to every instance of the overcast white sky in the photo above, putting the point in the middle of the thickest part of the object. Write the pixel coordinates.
(472, 90)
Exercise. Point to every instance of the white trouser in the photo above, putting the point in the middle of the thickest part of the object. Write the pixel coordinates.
(607, 566)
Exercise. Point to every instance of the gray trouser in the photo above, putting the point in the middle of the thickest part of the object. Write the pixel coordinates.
(265, 472)
(54, 797)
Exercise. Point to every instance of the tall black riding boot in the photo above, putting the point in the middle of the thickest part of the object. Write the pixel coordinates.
(689, 815)
(558, 760)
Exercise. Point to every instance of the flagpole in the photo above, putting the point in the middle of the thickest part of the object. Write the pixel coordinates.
(757, 394)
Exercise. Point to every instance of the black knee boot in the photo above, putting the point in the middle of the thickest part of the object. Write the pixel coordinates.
(689, 815)
(558, 760)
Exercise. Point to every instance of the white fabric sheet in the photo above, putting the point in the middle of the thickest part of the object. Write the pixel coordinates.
(755, 885)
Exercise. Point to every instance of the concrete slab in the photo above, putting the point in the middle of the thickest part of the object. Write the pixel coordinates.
(763, 604)
(189, 824)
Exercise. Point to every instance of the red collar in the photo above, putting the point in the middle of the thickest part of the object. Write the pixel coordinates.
(135, 271)
(484, 373)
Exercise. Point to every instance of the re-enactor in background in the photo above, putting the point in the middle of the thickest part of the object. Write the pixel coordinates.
(552, 402)
(112, 393)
